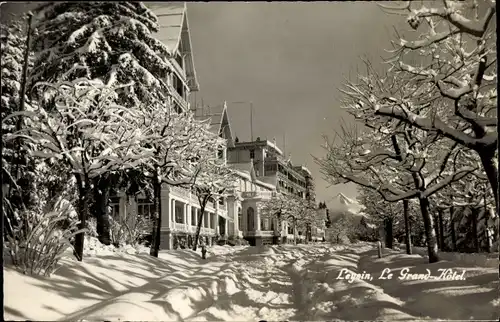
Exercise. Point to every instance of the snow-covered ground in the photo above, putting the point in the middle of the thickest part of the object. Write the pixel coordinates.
(248, 283)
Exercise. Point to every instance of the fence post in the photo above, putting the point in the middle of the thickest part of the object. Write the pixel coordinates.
(379, 249)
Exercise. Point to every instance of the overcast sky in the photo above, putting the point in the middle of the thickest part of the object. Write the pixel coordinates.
(288, 59)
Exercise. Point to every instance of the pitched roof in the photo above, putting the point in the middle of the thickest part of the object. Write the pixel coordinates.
(219, 120)
(174, 33)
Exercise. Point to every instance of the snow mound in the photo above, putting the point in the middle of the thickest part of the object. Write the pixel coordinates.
(481, 260)
(93, 247)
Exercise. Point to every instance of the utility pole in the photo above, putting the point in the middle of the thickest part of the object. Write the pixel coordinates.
(251, 121)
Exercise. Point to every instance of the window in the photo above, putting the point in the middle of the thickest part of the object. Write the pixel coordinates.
(264, 225)
(252, 154)
(272, 224)
(212, 220)
(250, 219)
(179, 213)
(114, 204)
(178, 85)
(145, 208)
(205, 219)
(240, 219)
(193, 216)
(221, 201)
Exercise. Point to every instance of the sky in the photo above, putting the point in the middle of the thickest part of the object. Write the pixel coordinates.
(288, 59)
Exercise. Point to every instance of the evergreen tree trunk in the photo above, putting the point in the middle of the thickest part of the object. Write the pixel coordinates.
(407, 226)
(430, 232)
(199, 223)
(102, 189)
(441, 229)
(453, 231)
(156, 235)
(389, 236)
(83, 194)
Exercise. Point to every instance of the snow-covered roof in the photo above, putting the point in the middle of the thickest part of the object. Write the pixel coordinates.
(245, 169)
(219, 120)
(265, 184)
(174, 30)
(271, 180)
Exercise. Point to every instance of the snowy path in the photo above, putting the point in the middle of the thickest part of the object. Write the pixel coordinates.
(293, 283)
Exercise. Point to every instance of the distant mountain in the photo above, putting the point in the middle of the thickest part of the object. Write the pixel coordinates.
(343, 204)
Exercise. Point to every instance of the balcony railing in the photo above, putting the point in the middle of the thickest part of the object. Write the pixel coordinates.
(177, 97)
(258, 194)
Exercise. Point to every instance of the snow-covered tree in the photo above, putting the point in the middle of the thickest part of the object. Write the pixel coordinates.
(308, 216)
(85, 118)
(301, 214)
(183, 149)
(280, 207)
(396, 165)
(443, 80)
(18, 177)
(214, 180)
(111, 42)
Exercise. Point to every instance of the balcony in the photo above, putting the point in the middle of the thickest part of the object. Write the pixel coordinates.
(258, 194)
(180, 71)
(177, 97)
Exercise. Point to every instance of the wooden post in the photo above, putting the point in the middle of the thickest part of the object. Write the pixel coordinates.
(379, 249)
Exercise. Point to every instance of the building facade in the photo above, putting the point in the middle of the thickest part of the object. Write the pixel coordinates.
(261, 173)
(272, 167)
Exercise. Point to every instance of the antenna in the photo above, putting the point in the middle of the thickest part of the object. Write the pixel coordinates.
(251, 121)
(284, 144)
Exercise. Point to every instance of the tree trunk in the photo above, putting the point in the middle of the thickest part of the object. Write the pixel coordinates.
(295, 235)
(102, 189)
(389, 236)
(156, 235)
(441, 229)
(436, 228)
(475, 235)
(453, 232)
(430, 233)
(203, 203)
(407, 227)
(490, 166)
(82, 206)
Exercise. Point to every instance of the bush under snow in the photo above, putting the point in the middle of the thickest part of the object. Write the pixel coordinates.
(40, 241)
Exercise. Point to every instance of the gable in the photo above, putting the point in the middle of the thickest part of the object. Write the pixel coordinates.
(225, 129)
(174, 33)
